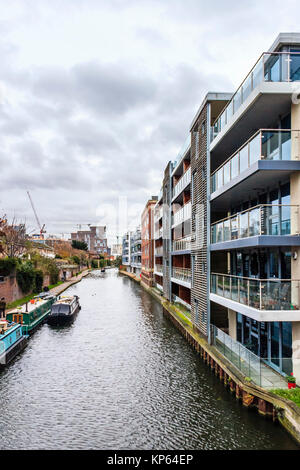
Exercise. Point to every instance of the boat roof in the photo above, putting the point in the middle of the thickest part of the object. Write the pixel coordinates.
(65, 299)
(22, 309)
(11, 326)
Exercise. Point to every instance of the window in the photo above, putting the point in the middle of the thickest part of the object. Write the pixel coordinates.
(203, 126)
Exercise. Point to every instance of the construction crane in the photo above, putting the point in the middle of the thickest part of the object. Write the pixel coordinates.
(41, 227)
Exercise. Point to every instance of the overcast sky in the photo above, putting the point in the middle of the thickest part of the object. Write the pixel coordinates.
(97, 95)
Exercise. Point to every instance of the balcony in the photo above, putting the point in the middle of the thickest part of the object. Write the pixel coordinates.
(158, 213)
(259, 221)
(182, 274)
(183, 214)
(270, 67)
(159, 250)
(158, 268)
(277, 295)
(158, 234)
(266, 144)
(182, 183)
(183, 244)
(248, 363)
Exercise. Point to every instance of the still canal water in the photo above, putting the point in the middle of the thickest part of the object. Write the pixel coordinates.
(121, 377)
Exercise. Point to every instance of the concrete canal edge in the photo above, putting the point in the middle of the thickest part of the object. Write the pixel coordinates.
(286, 412)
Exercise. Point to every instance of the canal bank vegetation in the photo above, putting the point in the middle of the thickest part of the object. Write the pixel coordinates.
(293, 394)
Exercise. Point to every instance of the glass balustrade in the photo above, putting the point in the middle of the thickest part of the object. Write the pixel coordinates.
(264, 219)
(266, 144)
(182, 182)
(182, 274)
(270, 67)
(182, 244)
(158, 268)
(262, 294)
(183, 214)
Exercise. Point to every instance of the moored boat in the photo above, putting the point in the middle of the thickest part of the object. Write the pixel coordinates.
(12, 341)
(64, 310)
(32, 315)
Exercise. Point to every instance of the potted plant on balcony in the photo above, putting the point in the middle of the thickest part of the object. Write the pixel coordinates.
(291, 381)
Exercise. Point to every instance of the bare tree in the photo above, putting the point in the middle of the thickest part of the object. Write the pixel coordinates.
(12, 238)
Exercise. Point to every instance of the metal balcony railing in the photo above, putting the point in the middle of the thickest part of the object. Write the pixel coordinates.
(182, 244)
(159, 251)
(182, 274)
(182, 183)
(158, 234)
(158, 213)
(261, 294)
(266, 144)
(270, 67)
(263, 219)
(182, 215)
(158, 268)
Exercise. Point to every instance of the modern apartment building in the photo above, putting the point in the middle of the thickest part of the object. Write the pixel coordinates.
(227, 221)
(147, 235)
(132, 251)
(95, 238)
(126, 258)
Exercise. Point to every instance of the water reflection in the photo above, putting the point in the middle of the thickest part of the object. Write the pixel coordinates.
(121, 377)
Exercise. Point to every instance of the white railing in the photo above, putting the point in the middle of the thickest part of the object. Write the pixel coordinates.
(182, 274)
(182, 244)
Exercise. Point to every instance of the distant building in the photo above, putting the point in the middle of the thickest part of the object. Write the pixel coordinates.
(147, 235)
(95, 238)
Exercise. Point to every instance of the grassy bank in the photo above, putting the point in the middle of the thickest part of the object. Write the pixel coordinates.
(27, 298)
(293, 394)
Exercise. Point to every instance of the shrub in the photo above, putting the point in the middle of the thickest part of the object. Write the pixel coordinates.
(39, 278)
(76, 259)
(79, 245)
(7, 266)
(26, 277)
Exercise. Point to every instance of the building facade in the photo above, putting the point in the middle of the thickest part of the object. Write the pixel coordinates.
(95, 238)
(147, 235)
(226, 223)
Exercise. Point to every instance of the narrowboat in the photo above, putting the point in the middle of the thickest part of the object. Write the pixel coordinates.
(33, 314)
(64, 310)
(12, 341)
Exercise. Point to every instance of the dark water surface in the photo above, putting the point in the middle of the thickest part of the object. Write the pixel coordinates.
(121, 377)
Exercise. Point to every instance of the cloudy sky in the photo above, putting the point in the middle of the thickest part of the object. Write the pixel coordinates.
(97, 95)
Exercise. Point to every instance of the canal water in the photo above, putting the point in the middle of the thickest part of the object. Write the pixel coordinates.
(121, 377)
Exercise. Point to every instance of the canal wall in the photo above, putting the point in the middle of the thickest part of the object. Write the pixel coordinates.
(266, 403)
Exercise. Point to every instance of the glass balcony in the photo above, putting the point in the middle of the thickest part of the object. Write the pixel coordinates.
(266, 144)
(158, 213)
(250, 365)
(183, 214)
(270, 67)
(159, 251)
(182, 244)
(158, 234)
(158, 268)
(264, 219)
(182, 183)
(261, 294)
(182, 274)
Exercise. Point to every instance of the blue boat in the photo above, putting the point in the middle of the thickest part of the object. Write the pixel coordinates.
(12, 341)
